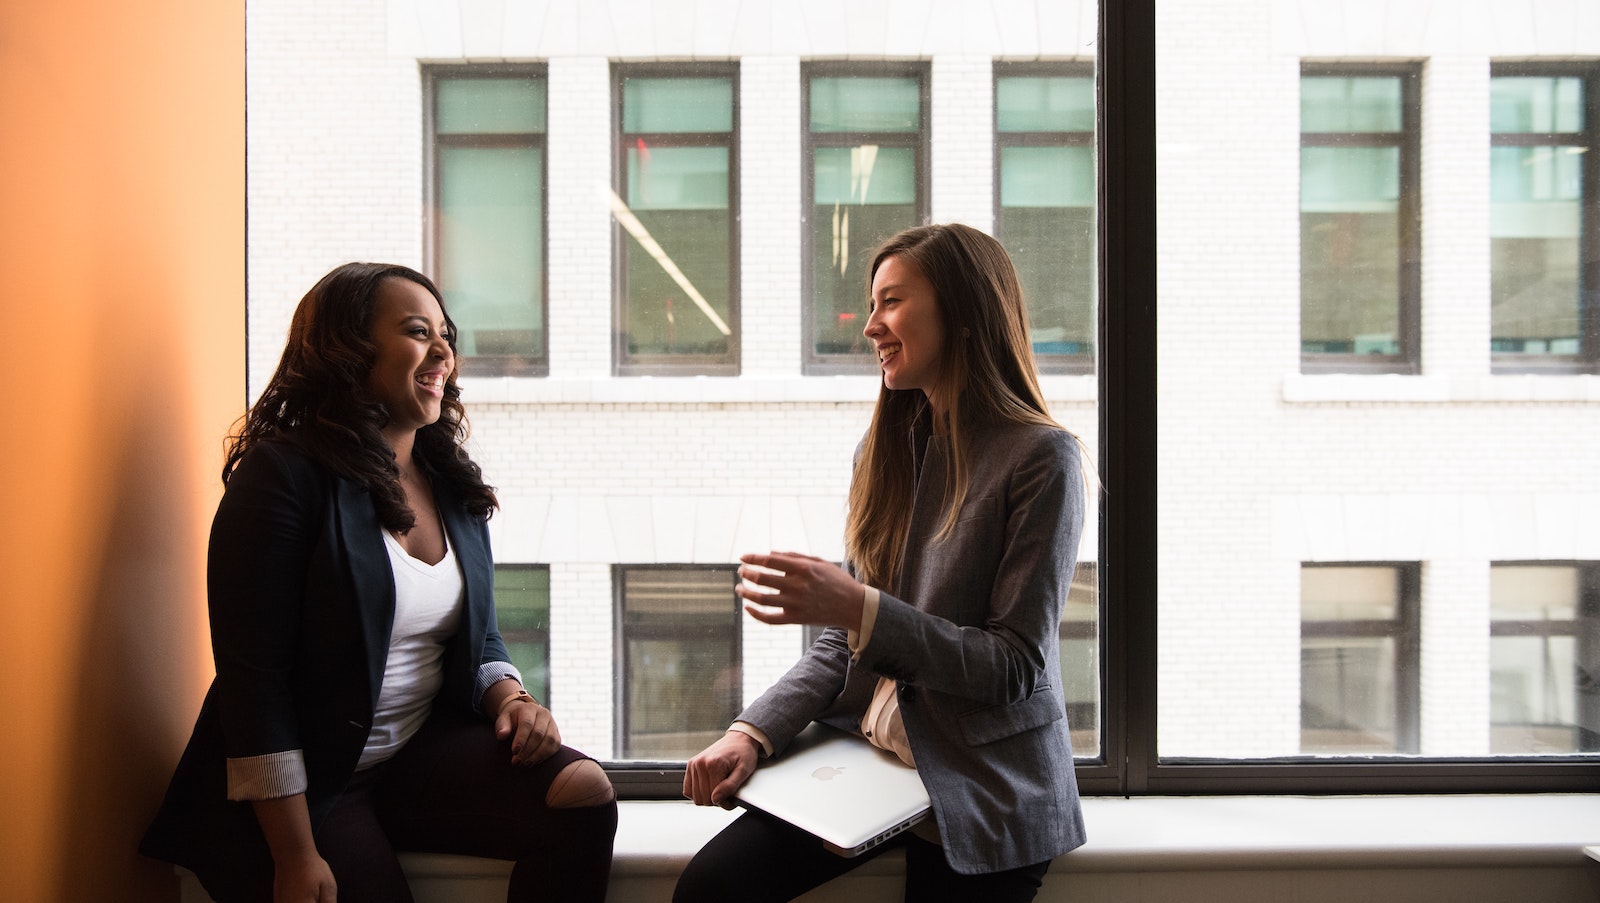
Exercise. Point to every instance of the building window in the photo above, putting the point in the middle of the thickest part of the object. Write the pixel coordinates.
(866, 138)
(487, 213)
(1544, 658)
(1080, 660)
(676, 236)
(1544, 221)
(680, 657)
(1359, 688)
(1045, 203)
(522, 608)
(1360, 241)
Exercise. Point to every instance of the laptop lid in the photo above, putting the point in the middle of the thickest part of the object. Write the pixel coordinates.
(839, 787)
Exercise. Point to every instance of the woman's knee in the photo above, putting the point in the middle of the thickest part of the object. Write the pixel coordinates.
(582, 783)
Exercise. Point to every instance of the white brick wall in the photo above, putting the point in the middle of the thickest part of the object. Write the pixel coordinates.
(1261, 468)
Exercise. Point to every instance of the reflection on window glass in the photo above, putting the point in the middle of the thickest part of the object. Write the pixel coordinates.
(674, 209)
(681, 659)
(1045, 218)
(864, 138)
(522, 609)
(1536, 213)
(1358, 668)
(489, 148)
(1353, 233)
(1544, 659)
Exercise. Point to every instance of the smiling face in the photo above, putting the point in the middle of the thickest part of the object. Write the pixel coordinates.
(412, 357)
(905, 326)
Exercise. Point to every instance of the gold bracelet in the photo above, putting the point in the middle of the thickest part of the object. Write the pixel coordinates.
(521, 695)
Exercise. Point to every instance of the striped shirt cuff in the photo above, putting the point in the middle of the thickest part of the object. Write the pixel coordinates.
(267, 777)
(491, 673)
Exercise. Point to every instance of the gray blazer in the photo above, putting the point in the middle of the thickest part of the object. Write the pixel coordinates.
(970, 634)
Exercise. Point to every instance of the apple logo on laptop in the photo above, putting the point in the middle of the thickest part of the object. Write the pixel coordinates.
(827, 773)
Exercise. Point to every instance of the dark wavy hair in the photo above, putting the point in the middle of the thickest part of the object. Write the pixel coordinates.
(318, 400)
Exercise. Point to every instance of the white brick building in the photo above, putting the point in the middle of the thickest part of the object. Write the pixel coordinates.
(1263, 468)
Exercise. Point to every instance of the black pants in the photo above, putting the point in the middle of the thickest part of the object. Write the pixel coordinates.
(759, 859)
(453, 789)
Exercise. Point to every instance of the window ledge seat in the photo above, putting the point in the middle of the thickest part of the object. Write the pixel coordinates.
(1310, 849)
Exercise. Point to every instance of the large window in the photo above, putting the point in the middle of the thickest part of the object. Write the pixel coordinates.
(1544, 658)
(1544, 227)
(678, 643)
(865, 175)
(676, 236)
(1358, 659)
(522, 608)
(1080, 660)
(487, 214)
(1044, 158)
(1360, 242)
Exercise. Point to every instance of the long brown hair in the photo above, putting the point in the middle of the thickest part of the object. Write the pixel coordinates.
(986, 377)
(318, 399)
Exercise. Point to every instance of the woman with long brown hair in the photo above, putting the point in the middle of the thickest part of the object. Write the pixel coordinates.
(966, 507)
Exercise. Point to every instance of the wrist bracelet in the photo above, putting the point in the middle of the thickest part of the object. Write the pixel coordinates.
(521, 696)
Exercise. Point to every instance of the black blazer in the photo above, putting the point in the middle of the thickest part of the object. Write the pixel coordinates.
(301, 599)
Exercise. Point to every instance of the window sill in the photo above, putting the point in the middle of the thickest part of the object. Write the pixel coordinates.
(1244, 833)
(713, 389)
(1302, 388)
(1500, 849)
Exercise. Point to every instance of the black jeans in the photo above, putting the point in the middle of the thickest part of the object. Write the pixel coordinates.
(760, 859)
(453, 789)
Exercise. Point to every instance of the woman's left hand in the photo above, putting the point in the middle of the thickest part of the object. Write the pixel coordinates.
(532, 731)
(799, 589)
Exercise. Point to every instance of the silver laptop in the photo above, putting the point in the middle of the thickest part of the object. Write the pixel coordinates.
(839, 787)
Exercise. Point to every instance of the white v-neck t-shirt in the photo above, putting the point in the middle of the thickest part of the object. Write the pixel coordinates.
(427, 611)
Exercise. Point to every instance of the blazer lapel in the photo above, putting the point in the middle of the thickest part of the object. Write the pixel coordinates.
(371, 578)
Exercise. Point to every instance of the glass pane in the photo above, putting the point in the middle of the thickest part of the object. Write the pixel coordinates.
(1343, 104)
(681, 665)
(1535, 228)
(1349, 660)
(490, 106)
(1046, 222)
(1080, 660)
(1044, 104)
(522, 608)
(1530, 104)
(677, 105)
(678, 288)
(1350, 250)
(863, 195)
(491, 247)
(865, 104)
(677, 178)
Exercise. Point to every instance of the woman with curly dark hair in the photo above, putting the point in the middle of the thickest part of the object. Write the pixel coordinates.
(364, 701)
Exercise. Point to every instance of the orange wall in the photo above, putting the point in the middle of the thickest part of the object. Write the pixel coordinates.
(122, 256)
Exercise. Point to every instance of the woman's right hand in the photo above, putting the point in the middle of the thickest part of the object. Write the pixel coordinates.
(713, 776)
(303, 881)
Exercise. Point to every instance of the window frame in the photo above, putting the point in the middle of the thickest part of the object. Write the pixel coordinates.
(1002, 69)
(623, 363)
(537, 364)
(920, 143)
(1409, 214)
(1125, 83)
(1587, 360)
